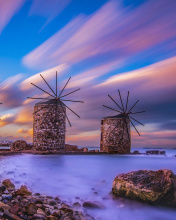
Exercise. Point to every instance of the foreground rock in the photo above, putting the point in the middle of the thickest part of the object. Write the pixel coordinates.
(22, 204)
(155, 187)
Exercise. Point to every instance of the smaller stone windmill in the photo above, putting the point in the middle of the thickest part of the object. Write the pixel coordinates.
(49, 122)
(115, 130)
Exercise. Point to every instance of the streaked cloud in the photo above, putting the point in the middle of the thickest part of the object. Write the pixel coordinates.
(6, 119)
(25, 131)
(10, 95)
(7, 10)
(48, 74)
(111, 31)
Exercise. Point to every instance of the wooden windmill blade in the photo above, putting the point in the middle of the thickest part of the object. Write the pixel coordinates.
(54, 105)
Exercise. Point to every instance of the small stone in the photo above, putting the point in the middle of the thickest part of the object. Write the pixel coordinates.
(5, 201)
(67, 210)
(57, 199)
(14, 209)
(31, 209)
(6, 196)
(37, 216)
(6, 191)
(93, 205)
(7, 215)
(4, 206)
(8, 184)
(52, 202)
(40, 212)
(15, 217)
(51, 217)
(23, 191)
(39, 205)
(37, 194)
(57, 214)
(76, 204)
(2, 188)
(48, 206)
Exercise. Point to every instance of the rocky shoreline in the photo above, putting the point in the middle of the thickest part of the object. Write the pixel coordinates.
(18, 204)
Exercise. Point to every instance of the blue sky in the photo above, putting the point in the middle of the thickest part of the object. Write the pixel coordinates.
(103, 45)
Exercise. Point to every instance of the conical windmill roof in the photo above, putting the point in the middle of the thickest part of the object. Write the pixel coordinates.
(49, 102)
(119, 116)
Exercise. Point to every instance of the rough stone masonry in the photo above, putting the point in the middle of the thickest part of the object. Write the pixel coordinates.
(49, 125)
(115, 140)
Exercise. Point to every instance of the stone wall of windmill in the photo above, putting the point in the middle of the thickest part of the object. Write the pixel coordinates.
(112, 141)
(49, 126)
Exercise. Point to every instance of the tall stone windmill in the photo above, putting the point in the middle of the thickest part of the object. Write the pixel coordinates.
(49, 121)
(115, 130)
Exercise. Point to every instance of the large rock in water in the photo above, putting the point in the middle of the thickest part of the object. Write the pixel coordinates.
(156, 187)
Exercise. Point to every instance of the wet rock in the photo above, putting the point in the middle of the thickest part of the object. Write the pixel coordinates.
(51, 217)
(4, 206)
(76, 204)
(6, 191)
(31, 209)
(52, 202)
(155, 152)
(48, 206)
(16, 217)
(2, 188)
(7, 196)
(156, 187)
(14, 209)
(8, 184)
(93, 205)
(66, 210)
(37, 216)
(136, 152)
(1, 214)
(40, 212)
(57, 214)
(7, 215)
(23, 191)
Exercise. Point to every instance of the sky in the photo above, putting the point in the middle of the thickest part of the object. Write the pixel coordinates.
(104, 46)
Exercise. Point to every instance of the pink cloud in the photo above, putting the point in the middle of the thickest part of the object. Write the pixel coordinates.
(111, 29)
(7, 10)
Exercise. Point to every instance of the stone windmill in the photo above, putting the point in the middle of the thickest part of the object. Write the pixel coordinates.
(49, 118)
(115, 130)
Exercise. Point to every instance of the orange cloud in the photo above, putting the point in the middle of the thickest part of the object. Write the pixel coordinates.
(6, 119)
(24, 116)
(25, 131)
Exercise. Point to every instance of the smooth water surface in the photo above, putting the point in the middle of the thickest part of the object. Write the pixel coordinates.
(89, 177)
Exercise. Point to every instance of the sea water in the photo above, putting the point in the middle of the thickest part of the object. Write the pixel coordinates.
(88, 177)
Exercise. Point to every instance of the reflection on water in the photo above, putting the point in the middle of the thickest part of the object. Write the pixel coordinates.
(88, 177)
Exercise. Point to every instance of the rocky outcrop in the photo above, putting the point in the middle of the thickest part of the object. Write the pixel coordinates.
(155, 187)
(20, 145)
(158, 152)
(69, 148)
